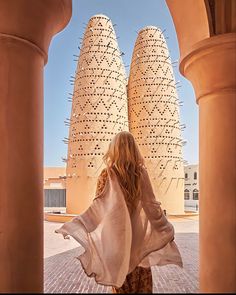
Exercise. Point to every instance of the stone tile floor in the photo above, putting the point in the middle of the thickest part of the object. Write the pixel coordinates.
(63, 272)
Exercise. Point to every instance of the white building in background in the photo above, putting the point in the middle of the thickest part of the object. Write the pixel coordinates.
(191, 187)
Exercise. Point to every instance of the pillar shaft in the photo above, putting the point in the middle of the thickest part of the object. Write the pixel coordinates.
(21, 128)
(211, 69)
(26, 28)
(217, 192)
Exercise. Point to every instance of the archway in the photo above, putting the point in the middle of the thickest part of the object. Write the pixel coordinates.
(206, 33)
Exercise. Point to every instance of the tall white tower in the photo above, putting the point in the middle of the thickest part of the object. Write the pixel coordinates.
(154, 117)
(99, 110)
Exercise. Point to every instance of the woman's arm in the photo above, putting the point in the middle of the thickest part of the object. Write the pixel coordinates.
(102, 178)
(151, 206)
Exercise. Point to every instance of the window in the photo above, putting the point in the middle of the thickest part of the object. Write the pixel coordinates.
(195, 194)
(195, 175)
(186, 194)
(186, 175)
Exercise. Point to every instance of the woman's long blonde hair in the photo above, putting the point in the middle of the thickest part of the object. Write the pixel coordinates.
(124, 157)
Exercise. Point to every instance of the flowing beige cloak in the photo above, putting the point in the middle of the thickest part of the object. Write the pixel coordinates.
(115, 242)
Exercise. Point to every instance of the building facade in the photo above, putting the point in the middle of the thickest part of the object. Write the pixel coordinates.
(191, 187)
(54, 188)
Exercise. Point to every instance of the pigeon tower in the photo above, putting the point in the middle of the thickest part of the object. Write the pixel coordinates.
(99, 110)
(154, 117)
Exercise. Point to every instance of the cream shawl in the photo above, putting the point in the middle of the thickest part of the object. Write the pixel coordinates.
(115, 242)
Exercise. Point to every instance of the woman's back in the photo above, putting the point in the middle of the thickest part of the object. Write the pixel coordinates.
(124, 158)
(150, 230)
(124, 228)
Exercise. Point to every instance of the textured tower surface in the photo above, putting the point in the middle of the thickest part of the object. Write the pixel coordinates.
(99, 110)
(154, 117)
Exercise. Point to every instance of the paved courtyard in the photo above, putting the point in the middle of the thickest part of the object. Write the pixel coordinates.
(63, 272)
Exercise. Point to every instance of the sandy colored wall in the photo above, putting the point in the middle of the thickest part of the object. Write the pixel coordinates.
(154, 117)
(54, 177)
(54, 172)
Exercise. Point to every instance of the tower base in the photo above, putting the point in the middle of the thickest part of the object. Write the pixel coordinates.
(58, 217)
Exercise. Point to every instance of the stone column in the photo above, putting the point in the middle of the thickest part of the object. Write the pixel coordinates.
(26, 29)
(210, 66)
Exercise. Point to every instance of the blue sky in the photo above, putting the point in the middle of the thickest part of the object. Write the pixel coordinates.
(129, 16)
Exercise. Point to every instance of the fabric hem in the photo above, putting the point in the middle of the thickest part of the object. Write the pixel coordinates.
(93, 275)
(156, 264)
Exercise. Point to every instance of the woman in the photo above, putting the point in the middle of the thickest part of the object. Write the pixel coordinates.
(124, 231)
